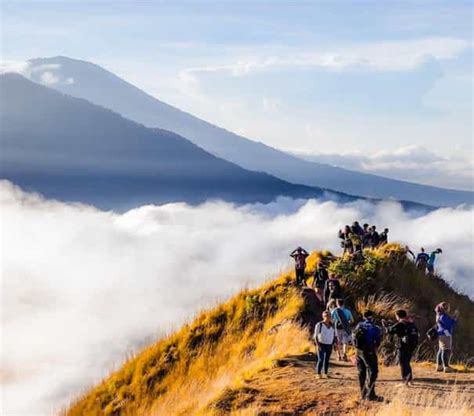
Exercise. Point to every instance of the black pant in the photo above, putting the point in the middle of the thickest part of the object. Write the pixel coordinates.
(300, 278)
(324, 354)
(368, 369)
(404, 358)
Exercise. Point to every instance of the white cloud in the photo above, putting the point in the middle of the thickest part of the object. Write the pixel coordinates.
(81, 288)
(412, 163)
(404, 55)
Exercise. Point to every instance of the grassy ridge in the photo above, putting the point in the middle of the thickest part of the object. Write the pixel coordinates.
(185, 372)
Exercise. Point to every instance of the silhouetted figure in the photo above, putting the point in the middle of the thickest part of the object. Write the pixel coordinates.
(300, 255)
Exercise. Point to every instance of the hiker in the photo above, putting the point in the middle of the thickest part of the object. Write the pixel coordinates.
(299, 255)
(445, 326)
(343, 319)
(408, 336)
(356, 228)
(324, 337)
(346, 242)
(374, 237)
(409, 252)
(320, 277)
(332, 289)
(422, 260)
(366, 339)
(365, 236)
(356, 237)
(383, 237)
(431, 261)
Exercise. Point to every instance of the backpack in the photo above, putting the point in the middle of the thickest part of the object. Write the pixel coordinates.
(342, 322)
(359, 337)
(411, 337)
(432, 333)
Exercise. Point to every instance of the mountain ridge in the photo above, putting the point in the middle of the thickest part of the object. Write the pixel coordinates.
(92, 82)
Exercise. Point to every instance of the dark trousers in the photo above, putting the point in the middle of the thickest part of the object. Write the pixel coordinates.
(300, 277)
(404, 358)
(368, 369)
(324, 354)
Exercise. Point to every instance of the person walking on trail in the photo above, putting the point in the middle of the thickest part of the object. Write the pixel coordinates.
(445, 327)
(431, 261)
(346, 242)
(343, 319)
(324, 337)
(383, 237)
(422, 260)
(366, 339)
(332, 290)
(408, 336)
(300, 255)
(320, 277)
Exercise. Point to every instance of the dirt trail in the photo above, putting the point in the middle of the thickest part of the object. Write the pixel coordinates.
(292, 388)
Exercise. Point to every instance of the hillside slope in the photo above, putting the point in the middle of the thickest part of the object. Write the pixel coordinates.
(252, 354)
(70, 149)
(95, 84)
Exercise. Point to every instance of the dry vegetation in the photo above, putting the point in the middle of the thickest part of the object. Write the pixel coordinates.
(231, 355)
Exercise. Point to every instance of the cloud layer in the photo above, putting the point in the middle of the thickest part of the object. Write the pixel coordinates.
(82, 288)
(411, 163)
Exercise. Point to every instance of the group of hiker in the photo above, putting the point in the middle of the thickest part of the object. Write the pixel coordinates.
(338, 328)
(355, 238)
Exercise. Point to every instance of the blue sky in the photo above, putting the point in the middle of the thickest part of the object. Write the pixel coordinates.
(315, 77)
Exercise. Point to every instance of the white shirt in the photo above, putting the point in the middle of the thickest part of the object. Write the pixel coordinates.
(323, 334)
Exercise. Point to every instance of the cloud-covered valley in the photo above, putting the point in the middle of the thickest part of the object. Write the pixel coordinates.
(82, 288)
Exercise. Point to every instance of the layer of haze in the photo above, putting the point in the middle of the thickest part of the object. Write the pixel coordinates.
(82, 288)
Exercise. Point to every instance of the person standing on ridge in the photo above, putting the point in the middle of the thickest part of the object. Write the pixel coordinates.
(422, 260)
(324, 337)
(431, 261)
(320, 277)
(300, 255)
(383, 237)
(343, 319)
(346, 242)
(365, 236)
(445, 326)
(374, 237)
(408, 336)
(366, 339)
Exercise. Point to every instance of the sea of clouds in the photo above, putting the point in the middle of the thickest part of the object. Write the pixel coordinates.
(83, 288)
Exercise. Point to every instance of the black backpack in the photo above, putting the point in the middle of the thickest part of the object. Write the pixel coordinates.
(411, 337)
(359, 338)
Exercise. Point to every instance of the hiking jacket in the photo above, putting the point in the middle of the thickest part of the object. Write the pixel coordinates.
(445, 324)
(432, 258)
(400, 330)
(324, 334)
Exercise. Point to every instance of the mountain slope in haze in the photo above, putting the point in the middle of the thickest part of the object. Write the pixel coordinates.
(69, 149)
(91, 82)
(252, 355)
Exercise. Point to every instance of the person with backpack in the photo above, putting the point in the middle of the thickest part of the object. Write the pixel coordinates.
(300, 255)
(408, 336)
(366, 338)
(431, 261)
(343, 319)
(324, 337)
(445, 327)
(321, 275)
(422, 260)
(346, 242)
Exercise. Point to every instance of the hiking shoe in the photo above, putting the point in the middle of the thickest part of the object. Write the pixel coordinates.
(345, 358)
(319, 376)
(328, 376)
(449, 370)
(375, 399)
(439, 369)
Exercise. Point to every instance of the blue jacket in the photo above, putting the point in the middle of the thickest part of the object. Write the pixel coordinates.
(445, 323)
(374, 335)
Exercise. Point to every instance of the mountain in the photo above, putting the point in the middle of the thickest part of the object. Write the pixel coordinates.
(252, 355)
(69, 149)
(91, 82)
